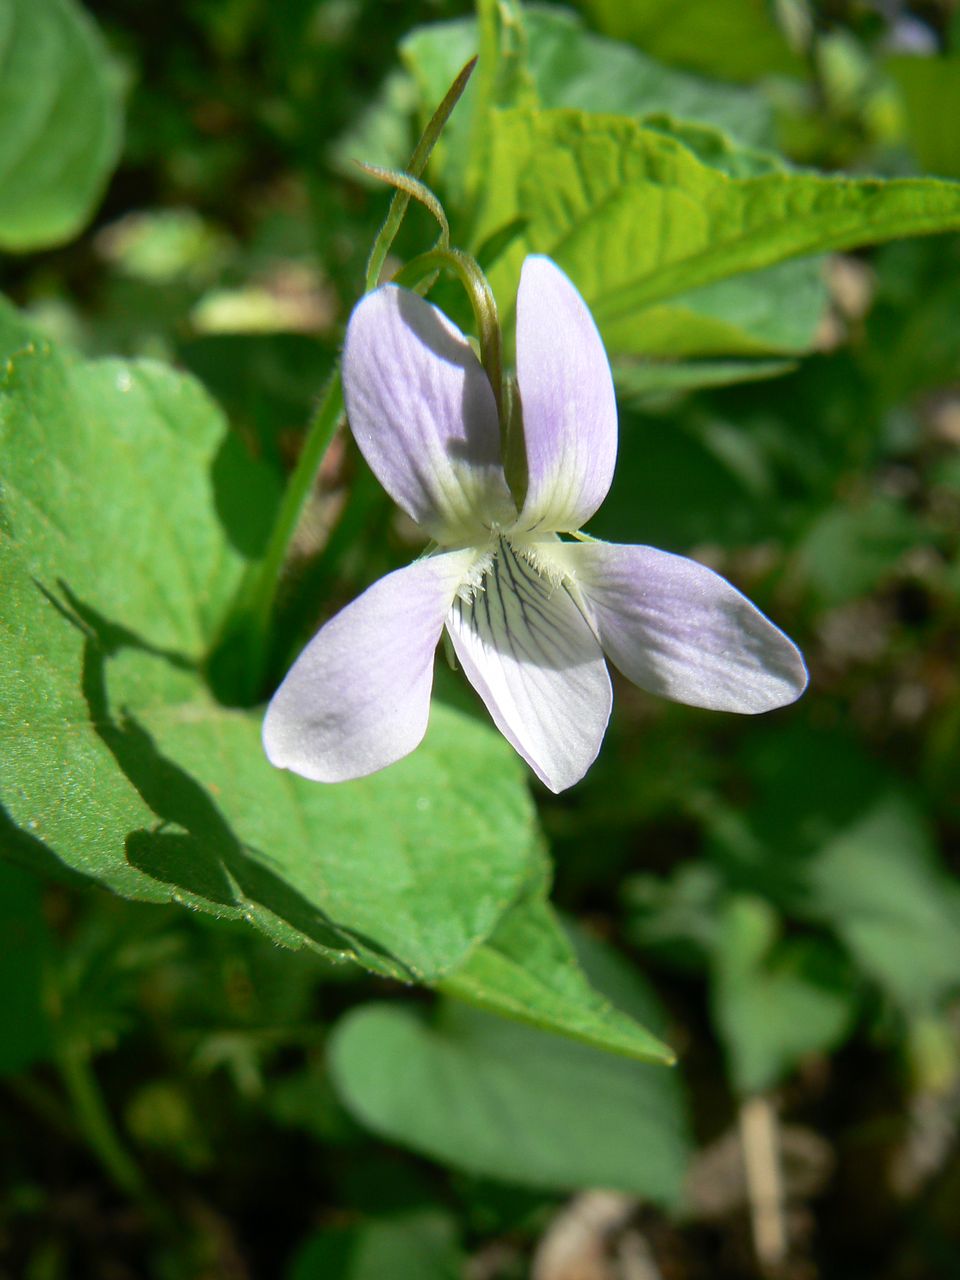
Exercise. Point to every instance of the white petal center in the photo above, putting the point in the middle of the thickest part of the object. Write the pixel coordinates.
(528, 650)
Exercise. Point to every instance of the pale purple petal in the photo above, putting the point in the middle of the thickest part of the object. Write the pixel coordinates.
(678, 629)
(422, 411)
(569, 406)
(527, 650)
(358, 697)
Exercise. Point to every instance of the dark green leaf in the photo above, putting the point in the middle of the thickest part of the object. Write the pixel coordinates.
(732, 39)
(648, 380)
(775, 1002)
(26, 946)
(419, 1245)
(930, 88)
(510, 1102)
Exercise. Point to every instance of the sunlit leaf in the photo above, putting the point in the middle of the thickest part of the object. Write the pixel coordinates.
(118, 564)
(637, 218)
(528, 970)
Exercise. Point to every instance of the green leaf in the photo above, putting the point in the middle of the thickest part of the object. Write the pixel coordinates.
(775, 1002)
(574, 68)
(911, 348)
(832, 839)
(364, 866)
(778, 310)
(60, 122)
(930, 89)
(732, 39)
(675, 918)
(642, 380)
(681, 483)
(26, 944)
(849, 550)
(636, 217)
(528, 970)
(880, 884)
(417, 1245)
(571, 67)
(115, 572)
(506, 1101)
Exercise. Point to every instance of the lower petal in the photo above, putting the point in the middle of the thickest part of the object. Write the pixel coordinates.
(678, 629)
(358, 697)
(527, 650)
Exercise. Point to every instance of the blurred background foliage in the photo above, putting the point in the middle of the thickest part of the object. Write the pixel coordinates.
(180, 1097)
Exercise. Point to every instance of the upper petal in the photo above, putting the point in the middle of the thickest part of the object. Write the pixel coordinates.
(358, 697)
(569, 406)
(678, 629)
(422, 410)
(529, 653)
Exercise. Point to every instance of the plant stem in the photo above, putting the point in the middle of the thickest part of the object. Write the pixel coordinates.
(360, 523)
(320, 433)
(250, 617)
(255, 600)
(482, 301)
(418, 162)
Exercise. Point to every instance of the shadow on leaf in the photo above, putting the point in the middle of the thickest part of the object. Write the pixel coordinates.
(193, 848)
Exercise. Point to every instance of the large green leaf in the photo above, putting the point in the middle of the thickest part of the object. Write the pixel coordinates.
(510, 1102)
(116, 569)
(571, 67)
(528, 970)
(60, 121)
(637, 217)
(565, 66)
(733, 39)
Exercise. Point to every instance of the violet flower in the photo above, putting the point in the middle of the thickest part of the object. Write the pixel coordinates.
(530, 616)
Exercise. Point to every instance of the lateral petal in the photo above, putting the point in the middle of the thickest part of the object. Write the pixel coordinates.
(529, 653)
(422, 411)
(358, 697)
(569, 406)
(678, 629)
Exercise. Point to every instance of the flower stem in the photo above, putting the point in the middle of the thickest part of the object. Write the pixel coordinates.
(250, 617)
(320, 432)
(482, 301)
(248, 622)
(418, 162)
(361, 524)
